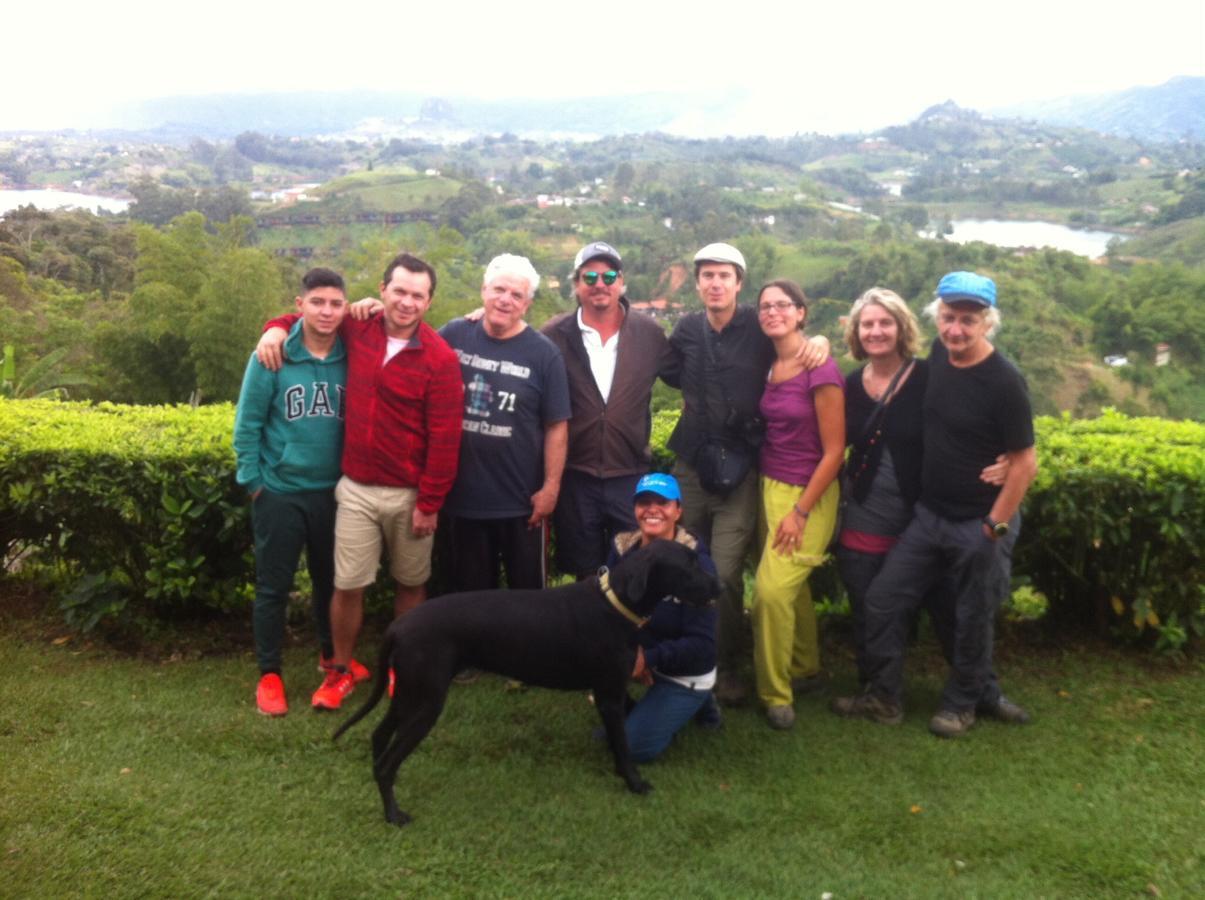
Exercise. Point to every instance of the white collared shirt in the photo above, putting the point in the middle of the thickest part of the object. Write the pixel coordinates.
(602, 355)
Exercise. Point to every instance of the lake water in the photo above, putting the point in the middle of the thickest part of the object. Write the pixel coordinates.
(10, 200)
(1032, 234)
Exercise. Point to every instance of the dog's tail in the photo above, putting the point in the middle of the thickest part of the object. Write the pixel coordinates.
(378, 686)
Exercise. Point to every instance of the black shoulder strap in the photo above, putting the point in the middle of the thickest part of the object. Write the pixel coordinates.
(880, 408)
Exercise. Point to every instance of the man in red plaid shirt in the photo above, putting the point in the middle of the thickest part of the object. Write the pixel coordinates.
(405, 401)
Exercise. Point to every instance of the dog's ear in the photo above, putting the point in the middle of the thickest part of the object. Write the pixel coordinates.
(631, 577)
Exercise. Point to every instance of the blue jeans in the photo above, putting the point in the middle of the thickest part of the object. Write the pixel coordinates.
(660, 714)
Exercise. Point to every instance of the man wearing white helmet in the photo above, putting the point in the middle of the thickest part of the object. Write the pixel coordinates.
(720, 359)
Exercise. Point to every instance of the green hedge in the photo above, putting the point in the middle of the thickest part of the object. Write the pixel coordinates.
(138, 506)
(1114, 524)
(134, 508)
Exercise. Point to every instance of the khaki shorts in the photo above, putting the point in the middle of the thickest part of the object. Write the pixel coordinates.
(366, 514)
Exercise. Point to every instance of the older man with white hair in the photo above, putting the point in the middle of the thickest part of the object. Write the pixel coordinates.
(962, 534)
(515, 433)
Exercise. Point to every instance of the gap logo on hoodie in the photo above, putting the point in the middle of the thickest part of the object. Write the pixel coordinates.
(318, 403)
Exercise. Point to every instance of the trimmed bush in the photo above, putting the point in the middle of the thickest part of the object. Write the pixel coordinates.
(138, 506)
(1114, 524)
(135, 508)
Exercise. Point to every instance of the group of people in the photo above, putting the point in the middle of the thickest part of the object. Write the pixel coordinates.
(360, 428)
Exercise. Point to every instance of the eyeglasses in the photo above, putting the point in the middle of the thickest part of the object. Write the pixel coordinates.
(608, 277)
(778, 306)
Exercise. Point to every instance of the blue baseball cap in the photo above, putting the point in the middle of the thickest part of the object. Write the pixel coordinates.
(664, 486)
(967, 287)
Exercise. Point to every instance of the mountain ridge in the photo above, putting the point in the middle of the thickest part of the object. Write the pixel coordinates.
(1164, 113)
(1171, 111)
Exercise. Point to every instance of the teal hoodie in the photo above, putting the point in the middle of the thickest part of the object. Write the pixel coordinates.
(288, 429)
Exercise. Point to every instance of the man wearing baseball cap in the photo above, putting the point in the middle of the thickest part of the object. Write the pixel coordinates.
(612, 356)
(963, 531)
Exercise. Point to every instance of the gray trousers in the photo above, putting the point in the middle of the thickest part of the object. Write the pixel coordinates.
(968, 574)
(727, 525)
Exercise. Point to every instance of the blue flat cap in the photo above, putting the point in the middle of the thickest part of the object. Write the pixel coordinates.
(967, 287)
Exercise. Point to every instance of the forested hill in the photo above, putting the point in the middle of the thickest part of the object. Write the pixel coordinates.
(163, 304)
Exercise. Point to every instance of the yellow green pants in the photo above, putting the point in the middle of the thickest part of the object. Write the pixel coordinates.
(785, 640)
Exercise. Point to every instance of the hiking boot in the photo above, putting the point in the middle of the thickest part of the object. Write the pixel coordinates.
(335, 686)
(868, 706)
(731, 689)
(780, 717)
(270, 695)
(1004, 710)
(359, 673)
(949, 723)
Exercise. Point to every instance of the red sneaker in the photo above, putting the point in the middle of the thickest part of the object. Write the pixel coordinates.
(359, 673)
(270, 696)
(335, 686)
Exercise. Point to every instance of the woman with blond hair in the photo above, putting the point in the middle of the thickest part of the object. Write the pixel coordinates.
(884, 420)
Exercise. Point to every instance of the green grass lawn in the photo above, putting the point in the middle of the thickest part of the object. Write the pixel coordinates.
(126, 776)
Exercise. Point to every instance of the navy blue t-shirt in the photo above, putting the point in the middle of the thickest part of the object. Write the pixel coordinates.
(972, 415)
(513, 388)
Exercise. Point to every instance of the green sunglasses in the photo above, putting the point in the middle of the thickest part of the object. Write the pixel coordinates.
(608, 277)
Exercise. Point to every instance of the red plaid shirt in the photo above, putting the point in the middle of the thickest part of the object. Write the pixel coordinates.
(402, 423)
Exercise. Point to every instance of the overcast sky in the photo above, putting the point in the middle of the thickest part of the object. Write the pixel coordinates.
(845, 66)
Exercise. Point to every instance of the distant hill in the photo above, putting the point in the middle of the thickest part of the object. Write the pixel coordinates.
(384, 114)
(1167, 112)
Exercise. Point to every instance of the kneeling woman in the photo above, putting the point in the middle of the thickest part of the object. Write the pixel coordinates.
(801, 455)
(676, 656)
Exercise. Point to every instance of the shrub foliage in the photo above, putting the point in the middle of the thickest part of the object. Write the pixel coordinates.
(1115, 522)
(136, 509)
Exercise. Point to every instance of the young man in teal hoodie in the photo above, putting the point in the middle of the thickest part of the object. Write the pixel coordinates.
(288, 438)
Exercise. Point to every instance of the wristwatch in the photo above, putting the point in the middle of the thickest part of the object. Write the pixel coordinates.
(999, 529)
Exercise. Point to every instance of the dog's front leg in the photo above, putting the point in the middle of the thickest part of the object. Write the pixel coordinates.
(610, 705)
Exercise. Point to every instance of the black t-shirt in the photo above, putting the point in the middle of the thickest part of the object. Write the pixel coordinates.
(972, 415)
(513, 389)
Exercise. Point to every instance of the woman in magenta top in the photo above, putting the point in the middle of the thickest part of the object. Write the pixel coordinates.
(801, 455)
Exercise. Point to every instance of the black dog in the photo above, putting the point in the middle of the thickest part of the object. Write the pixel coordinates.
(578, 637)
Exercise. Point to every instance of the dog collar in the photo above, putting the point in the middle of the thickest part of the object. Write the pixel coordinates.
(604, 584)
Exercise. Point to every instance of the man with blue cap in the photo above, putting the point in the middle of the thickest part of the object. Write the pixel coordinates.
(963, 531)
